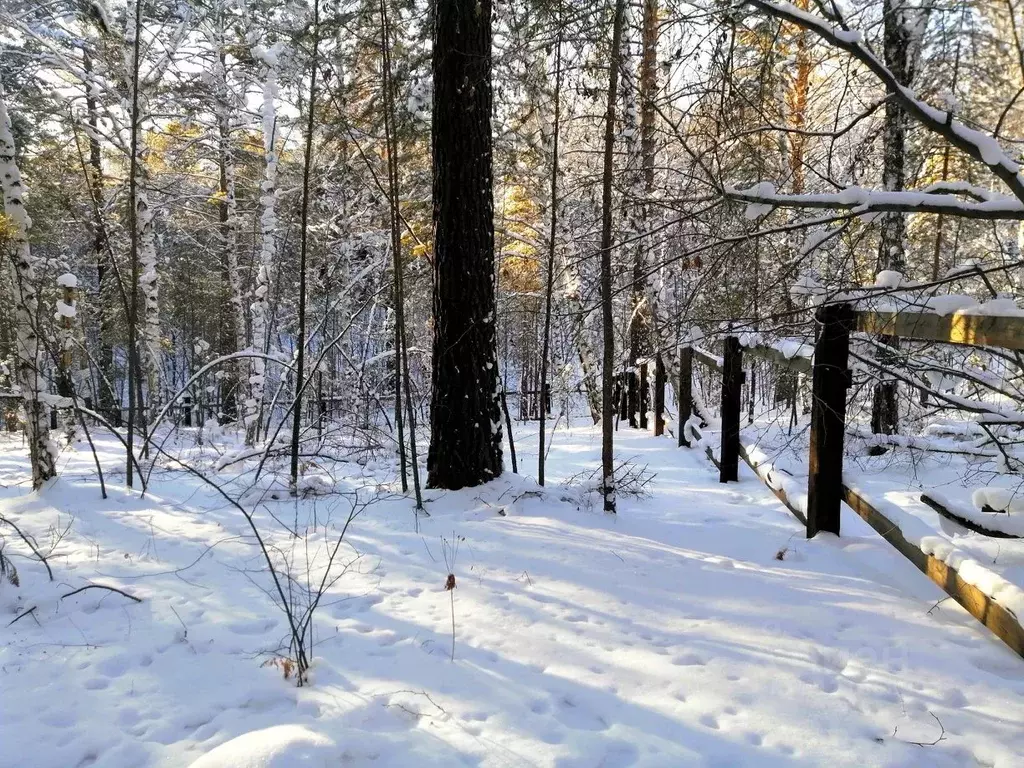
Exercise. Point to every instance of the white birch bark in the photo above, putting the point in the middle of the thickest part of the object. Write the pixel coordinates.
(268, 244)
(229, 229)
(14, 239)
(149, 281)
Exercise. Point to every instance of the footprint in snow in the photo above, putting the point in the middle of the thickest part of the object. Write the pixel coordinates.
(826, 683)
(709, 721)
(573, 715)
(128, 717)
(688, 660)
(365, 603)
(619, 755)
(252, 626)
(551, 736)
(114, 666)
(954, 698)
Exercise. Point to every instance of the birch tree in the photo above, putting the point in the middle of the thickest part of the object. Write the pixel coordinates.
(14, 232)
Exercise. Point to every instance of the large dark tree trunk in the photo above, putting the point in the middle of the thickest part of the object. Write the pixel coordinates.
(465, 415)
(893, 230)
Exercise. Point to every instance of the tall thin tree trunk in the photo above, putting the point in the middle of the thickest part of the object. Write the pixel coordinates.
(133, 28)
(108, 402)
(401, 348)
(260, 308)
(300, 356)
(396, 241)
(640, 320)
(893, 229)
(546, 341)
(233, 321)
(796, 102)
(607, 420)
(589, 364)
(465, 414)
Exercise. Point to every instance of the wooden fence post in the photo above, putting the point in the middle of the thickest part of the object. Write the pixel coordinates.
(830, 381)
(623, 398)
(645, 395)
(732, 390)
(685, 392)
(632, 397)
(659, 396)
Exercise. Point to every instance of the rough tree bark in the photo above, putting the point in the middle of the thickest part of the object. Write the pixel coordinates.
(465, 414)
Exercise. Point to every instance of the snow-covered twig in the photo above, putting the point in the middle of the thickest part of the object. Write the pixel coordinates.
(101, 586)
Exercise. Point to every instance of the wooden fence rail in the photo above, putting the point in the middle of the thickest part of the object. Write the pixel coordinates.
(1006, 332)
(831, 379)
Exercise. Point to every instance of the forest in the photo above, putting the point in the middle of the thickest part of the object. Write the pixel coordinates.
(349, 284)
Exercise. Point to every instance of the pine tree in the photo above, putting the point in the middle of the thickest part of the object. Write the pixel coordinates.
(465, 416)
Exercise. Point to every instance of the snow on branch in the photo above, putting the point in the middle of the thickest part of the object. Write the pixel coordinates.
(978, 145)
(762, 198)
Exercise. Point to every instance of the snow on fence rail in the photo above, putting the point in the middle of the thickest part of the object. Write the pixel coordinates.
(993, 601)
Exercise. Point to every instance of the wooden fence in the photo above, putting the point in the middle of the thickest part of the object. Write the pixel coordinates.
(831, 378)
(633, 390)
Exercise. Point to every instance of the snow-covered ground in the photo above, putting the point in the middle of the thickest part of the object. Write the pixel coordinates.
(894, 483)
(696, 627)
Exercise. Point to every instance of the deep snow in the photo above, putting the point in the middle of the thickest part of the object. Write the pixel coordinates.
(669, 635)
